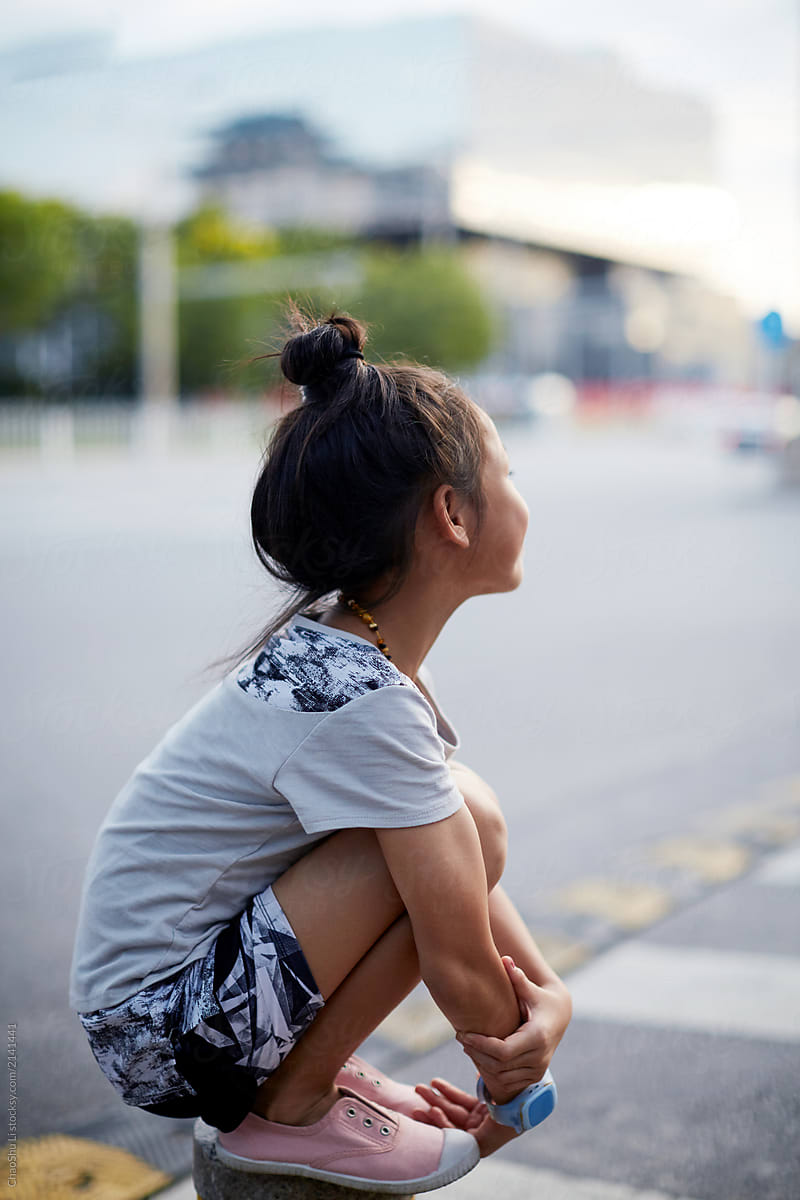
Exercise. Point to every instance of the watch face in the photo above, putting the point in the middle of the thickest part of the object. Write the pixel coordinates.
(539, 1106)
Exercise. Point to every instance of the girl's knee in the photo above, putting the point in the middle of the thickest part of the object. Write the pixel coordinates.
(492, 831)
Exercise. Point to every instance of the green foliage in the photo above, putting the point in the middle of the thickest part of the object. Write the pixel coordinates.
(211, 332)
(38, 259)
(423, 304)
(208, 235)
(71, 275)
(220, 335)
(213, 338)
(307, 240)
(105, 285)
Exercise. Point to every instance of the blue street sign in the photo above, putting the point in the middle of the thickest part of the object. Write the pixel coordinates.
(771, 329)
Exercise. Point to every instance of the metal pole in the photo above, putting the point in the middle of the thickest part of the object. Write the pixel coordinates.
(158, 353)
(158, 367)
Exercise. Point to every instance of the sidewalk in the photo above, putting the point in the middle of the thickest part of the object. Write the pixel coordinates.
(678, 1079)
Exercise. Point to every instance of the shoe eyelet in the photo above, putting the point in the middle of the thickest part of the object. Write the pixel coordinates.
(368, 1121)
(361, 1075)
(351, 1112)
(385, 1130)
(377, 1082)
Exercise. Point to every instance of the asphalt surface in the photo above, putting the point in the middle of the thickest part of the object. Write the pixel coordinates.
(635, 705)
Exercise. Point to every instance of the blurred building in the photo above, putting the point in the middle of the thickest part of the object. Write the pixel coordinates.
(590, 317)
(598, 319)
(276, 169)
(536, 141)
(581, 195)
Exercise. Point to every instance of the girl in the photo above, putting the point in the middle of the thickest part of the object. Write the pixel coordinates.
(301, 847)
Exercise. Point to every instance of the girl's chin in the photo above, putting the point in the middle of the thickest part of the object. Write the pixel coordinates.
(512, 583)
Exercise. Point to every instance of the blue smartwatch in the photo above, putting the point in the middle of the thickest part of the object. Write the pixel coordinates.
(527, 1109)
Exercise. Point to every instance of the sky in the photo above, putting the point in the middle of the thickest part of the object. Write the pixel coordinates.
(743, 56)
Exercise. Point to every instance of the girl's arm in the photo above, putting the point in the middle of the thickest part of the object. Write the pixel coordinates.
(510, 1064)
(524, 1057)
(439, 872)
(515, 1062)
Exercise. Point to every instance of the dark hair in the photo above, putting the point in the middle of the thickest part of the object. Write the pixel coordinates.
(346, 471)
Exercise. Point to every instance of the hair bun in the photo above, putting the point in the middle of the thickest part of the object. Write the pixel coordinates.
(311, 355)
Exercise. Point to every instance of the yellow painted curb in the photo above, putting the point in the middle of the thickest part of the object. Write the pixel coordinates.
(57, 1167)
(628, 905)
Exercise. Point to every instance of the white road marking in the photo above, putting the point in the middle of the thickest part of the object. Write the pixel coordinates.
(698, 989)
(781, 870)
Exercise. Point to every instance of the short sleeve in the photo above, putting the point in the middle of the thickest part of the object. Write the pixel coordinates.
(376, 762)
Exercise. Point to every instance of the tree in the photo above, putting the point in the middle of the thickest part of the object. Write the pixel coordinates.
(215, 335)
(423, 304)
(67, 282)
(38, 259)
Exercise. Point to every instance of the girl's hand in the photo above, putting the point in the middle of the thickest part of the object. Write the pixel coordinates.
(508, 1065)
(451, 1108)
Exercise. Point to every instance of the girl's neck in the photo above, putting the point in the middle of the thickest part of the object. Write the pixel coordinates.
(408, 631)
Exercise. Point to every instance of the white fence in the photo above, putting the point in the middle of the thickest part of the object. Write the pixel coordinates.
(57, 432)
(60, 432)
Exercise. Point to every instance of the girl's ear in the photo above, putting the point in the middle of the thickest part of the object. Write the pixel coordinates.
(452, 513)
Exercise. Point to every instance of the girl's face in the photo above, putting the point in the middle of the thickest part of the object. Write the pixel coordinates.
(497, 564)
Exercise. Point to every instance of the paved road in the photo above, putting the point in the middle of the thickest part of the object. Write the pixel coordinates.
(635, 704)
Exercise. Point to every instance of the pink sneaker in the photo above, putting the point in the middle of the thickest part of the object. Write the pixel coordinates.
(367, 1081)
(356, 1144)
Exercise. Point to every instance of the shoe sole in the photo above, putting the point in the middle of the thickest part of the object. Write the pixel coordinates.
(258, 1166)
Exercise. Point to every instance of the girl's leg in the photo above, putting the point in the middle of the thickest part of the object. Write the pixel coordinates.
(349, 919)
(301, 1090)
(511, 936)
(372, 990)
(339, 899)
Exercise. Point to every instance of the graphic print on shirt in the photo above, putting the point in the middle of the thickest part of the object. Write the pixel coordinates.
(311, 671)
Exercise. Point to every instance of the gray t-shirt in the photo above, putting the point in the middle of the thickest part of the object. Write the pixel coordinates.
(316, 732)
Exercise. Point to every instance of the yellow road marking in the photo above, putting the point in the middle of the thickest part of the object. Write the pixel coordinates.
(57, 1167)
(783, 791)
(629, 905)
(562, 953)
(714, 861)
(770, 823)
(417, 1025)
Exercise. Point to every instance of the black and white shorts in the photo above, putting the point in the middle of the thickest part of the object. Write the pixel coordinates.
(201, 1042)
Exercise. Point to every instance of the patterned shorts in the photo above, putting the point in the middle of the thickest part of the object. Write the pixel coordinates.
(201, 1042)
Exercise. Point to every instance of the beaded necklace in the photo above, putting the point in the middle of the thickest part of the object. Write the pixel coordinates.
(369, 620)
